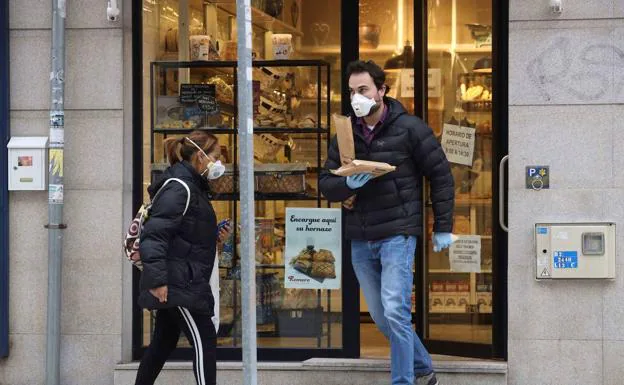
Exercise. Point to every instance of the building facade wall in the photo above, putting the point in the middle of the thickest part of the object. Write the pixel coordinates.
(92, 296)
(565, 95)
(566, 89)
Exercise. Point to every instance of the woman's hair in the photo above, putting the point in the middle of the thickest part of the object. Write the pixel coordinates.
(179, 149)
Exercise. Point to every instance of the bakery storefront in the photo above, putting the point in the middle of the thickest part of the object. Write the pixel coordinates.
(445, 62)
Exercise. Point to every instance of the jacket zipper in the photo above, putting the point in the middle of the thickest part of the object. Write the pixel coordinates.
(188, 264)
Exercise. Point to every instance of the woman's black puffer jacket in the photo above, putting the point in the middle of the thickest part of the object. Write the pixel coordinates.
(179, 250)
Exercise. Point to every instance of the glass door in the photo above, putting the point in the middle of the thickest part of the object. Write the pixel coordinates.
(449, 43)
(459, 281)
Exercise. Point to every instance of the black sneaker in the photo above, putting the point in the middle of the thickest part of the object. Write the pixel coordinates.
(427, 379)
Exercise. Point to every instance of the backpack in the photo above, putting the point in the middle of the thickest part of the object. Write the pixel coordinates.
(132, 238)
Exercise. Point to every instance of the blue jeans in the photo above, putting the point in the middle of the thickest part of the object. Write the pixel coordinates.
(384, 270)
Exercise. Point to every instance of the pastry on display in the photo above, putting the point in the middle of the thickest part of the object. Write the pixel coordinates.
(271, 119)
(170, 124)
(324, 256)
(475, 87)
(303, 265)
(473, 93)
(484, 127)
(307, 121)
(315, 264)
(323, 270)
(225, 92)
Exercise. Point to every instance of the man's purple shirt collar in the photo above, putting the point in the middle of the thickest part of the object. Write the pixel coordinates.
(363, 127)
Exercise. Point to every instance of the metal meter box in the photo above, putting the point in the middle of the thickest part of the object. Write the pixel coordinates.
(27, 163)
(575, 250)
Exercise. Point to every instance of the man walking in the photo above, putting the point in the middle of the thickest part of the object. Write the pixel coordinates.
(387, 213)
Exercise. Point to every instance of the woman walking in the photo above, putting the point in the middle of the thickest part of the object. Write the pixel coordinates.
(178, 247)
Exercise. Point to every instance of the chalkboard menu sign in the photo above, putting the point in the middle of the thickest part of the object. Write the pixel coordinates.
(203, 96)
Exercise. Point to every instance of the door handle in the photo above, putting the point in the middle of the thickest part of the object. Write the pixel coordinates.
(501, 193)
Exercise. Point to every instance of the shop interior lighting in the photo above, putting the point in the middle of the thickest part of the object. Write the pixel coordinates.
(400, 41)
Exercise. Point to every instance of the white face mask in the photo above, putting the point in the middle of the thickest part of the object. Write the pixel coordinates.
(214, 170)
(362, 105)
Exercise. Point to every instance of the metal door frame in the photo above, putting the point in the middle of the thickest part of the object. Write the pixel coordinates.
(4, 193)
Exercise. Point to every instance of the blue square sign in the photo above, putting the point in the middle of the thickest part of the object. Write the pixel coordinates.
(565, 260)
(537, 177)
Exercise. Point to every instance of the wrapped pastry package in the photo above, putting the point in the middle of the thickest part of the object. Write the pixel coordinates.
(350, 165)
(364, 166)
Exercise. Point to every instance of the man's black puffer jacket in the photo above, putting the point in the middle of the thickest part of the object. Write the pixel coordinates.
(392, 204)
(176, 250)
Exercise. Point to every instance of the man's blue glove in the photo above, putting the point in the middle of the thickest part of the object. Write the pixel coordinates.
(442, 240)
(356, 181)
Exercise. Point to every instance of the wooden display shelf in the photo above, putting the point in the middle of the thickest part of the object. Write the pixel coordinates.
(259, 18)
(389, 49)
(256, 130)
(268, 197)
(469, 202)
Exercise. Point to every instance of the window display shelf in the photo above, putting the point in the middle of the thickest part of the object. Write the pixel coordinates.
(459, 48)
(230, 66)
(477, 105)
(269, 130)
(458, 311)
(469, 202)
(473, 202)
(452, 312)
(257, 130)
(182, 131)
(259, 18)
(385, 49)
(267, 197)
(181, 94)
(315, 101)
(335, 50)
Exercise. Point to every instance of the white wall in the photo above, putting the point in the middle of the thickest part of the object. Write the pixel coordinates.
(566, 90)
(91, 302)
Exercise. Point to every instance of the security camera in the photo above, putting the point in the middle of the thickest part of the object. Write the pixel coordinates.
(112, 12)
(556, 6)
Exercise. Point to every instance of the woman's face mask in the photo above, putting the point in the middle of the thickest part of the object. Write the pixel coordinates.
(214, 170)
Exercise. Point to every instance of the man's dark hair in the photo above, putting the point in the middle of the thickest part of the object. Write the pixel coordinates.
(369, 66)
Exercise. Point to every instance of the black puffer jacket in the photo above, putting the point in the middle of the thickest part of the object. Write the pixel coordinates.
(176, 250)
(392, 204)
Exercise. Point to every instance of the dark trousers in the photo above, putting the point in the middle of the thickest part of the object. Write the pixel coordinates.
(200, 332)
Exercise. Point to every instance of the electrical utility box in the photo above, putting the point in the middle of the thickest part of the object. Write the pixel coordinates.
(28, 167)
(575, 250)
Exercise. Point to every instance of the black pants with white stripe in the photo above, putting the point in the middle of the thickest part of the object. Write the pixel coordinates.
(200, 332)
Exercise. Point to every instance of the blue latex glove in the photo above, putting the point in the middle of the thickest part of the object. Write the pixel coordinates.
(442, 240)
(356, 181)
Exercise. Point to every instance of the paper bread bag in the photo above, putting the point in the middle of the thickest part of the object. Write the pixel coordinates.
(350, 165)
(344, 132)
